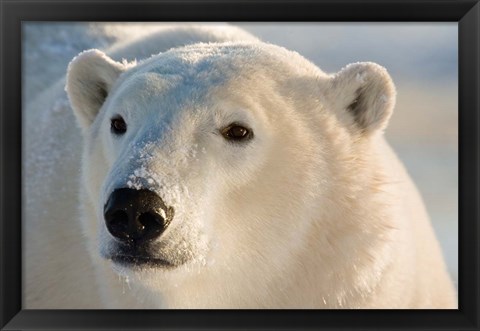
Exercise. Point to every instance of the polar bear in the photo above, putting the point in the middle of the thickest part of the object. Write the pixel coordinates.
(237, 174)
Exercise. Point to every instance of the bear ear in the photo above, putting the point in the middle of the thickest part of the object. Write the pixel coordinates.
(364, 94)
(90, 77)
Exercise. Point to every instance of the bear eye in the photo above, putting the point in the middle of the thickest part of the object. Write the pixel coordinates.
(118, 125)
(237, 132)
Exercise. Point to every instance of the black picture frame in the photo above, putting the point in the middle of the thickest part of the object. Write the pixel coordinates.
(14, 12)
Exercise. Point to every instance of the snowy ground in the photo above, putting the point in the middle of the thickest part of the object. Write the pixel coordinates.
(421, 57)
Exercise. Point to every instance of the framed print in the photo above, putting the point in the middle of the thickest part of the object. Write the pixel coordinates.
(269, 165)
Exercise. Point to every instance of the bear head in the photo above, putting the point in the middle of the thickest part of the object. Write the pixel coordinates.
(222, 163)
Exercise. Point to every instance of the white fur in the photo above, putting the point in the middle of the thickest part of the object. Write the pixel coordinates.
(315, 211)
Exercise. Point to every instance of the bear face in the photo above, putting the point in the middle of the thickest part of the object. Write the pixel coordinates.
(243, 146)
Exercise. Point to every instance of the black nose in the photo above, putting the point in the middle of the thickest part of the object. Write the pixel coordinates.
(136, 215)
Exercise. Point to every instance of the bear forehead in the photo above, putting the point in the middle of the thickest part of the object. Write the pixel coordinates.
(223, 61)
